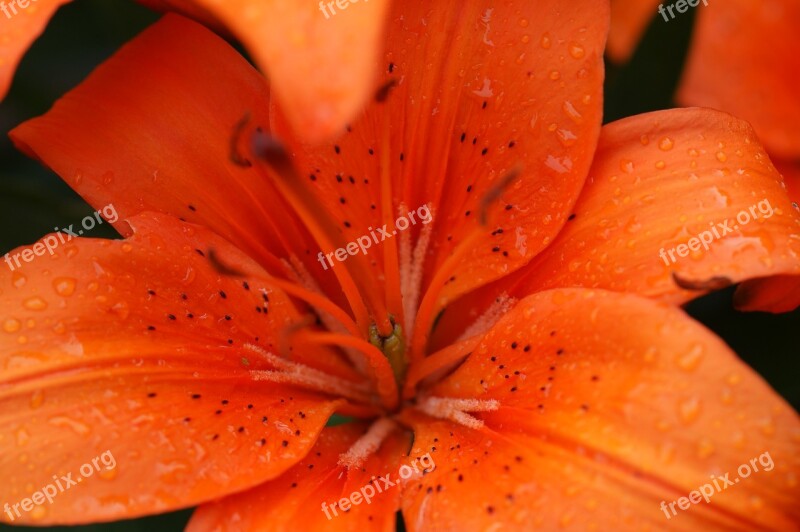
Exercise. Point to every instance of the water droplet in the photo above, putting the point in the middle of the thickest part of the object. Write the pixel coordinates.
(35, 303)
(577, 51)
(756, 502)
(571, 112)
(107, 474)
(689, 409)
(22, 437)
(666, 144)
(12, 325)
(626, 165)
(721, 157)
(190, 275)
(38, 512)
(37, 399)
(523, 22)
(121, 309)
(705, 448)
(64, 286)
(689, 361)
(64, 421)
(767, 427)
(555, 75)
(18, 280)
(727, 396)
(661, 165)
(567, 137)
(546, 42)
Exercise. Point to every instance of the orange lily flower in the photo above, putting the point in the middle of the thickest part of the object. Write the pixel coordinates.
(320, 70)
(743, 60)
(208, 348)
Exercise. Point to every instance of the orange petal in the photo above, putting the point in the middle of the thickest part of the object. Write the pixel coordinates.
(629, 20)
(659, 180)
(321, 66)
(782, 292)
(479, 93)
(744, 61)
(600, 421)
(305, 493)
(17, 33)
(139, 347)
(151, 135)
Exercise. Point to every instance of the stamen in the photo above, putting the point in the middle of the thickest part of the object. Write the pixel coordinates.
(321, 226)
(319, 302)
(456, 409)
(437, 364)
(391, 266)
(307, 377)
(411, 272)
(431, 303)
(333, 317)
(486, 321)
(368, 443)
(379, 369)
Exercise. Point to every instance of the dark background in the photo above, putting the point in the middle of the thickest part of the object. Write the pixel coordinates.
(82, 34)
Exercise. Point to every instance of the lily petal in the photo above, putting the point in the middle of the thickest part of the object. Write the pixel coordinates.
(629, 20)
(594, 430)
(139, 347)
(321, 66)
(305, 492)
(492, 119)
(185, 105)
(744, 61)
(780, 293)
(658, 180)
(19, 32)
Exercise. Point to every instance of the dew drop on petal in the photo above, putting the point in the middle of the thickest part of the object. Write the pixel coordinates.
(689, 409)
(35, 303)
(12, 325)
(64, 421)
(38, 512)
(64, 286)
(18, 280)
(37, 399)
(689, 361)
(666, 144)
(577, 51)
